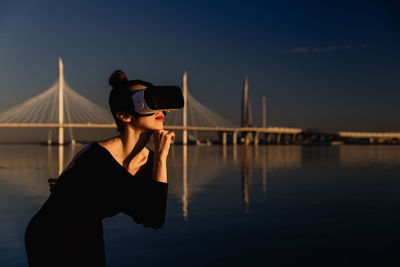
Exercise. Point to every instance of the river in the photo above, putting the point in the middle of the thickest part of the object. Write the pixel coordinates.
(235, 206)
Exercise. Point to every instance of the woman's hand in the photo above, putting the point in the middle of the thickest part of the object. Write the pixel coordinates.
(52, 183)
(162, 142)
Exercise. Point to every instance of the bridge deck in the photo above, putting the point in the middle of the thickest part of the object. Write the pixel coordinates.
(275, 130)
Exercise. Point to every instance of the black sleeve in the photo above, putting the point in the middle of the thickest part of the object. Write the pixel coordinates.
(147, 203)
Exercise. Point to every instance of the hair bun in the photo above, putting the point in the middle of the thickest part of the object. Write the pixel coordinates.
(117, 78)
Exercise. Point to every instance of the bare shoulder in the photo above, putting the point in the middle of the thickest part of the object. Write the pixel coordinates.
(110, 144)
(114, 147)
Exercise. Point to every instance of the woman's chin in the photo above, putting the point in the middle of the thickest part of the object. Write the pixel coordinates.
(157, 127)
(150, 128)
(160, 125)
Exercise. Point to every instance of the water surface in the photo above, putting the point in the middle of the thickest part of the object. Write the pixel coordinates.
(234, 206)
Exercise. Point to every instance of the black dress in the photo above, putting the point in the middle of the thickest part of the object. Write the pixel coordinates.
(68, 229)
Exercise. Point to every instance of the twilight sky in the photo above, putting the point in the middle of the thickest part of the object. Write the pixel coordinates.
(330, 65)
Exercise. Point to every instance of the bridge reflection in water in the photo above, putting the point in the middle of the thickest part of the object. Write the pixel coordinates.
(191, 169)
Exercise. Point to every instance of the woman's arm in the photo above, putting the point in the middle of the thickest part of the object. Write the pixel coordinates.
(162, 142)
(52, 181)
(148, 203)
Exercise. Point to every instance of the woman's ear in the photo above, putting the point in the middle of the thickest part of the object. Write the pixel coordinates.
(124, 117)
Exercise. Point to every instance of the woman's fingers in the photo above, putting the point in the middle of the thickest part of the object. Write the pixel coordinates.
(160, 135)
(162, 141)
(171, 136)
(52, 186)
(52, 183)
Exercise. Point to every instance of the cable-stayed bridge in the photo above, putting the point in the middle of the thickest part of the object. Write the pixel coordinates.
(61, 107)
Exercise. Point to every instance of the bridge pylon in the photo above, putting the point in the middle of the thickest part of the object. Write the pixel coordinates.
(184, 114)
(60, 101)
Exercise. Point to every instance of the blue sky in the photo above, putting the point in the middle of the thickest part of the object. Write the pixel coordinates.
(332, 65)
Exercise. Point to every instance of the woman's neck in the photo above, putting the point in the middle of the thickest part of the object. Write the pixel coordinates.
(133, 141)
(127, 148)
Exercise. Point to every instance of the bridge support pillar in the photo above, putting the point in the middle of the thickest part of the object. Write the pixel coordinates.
(247, 138)
(294, 138)
(256, 135)
(269, 136)
(184, 137)
(371, 140)
(49, 138)
(234, 138)
(224, 138)
(278, 138)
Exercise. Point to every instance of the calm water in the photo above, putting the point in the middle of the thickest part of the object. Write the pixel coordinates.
(265, 206)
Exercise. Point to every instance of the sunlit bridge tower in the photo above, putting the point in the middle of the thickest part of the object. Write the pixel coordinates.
(264, 111)
(264, 115)
(60, 101)
(61, 82)
(184, 113)
(246, 111)
(245, 103)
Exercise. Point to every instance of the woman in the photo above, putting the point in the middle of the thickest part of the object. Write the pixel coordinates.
(116, 175)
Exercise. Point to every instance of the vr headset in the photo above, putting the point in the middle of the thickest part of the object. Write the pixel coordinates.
(154, 99)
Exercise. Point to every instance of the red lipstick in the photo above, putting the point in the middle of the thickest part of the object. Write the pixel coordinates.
(160, 117)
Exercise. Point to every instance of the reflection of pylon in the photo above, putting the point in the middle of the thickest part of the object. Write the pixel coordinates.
(185, 185)
(246, 178)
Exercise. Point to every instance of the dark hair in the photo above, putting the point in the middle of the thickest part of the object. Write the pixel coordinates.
(120, 99)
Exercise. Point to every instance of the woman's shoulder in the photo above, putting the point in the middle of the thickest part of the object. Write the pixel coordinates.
(89, 153)
(99, 155)
(93, 151)
(92, 148)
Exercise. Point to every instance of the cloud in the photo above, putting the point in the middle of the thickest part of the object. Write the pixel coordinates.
(325, 49)
(300, 50)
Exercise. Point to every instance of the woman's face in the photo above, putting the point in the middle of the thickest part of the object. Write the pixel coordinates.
(153, 122)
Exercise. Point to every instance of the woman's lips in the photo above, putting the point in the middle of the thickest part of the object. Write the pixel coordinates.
(160, 118)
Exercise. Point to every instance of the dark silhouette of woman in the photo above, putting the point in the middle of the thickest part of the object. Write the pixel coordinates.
(105, 178)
